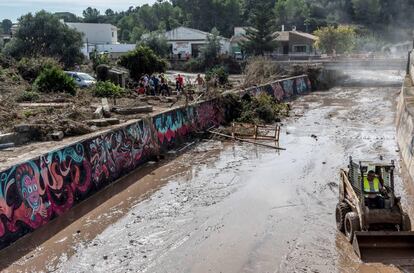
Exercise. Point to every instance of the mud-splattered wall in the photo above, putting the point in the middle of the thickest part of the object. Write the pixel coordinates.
(34, 192)
(283, 89)
(38, 190)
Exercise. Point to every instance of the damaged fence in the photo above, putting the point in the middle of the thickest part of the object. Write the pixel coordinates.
(36, 191)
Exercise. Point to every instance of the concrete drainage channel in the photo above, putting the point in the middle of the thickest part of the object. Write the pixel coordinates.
(46, 186)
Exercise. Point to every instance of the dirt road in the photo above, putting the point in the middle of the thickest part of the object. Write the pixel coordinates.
(236, 208)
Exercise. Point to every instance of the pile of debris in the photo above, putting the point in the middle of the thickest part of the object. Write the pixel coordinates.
(262, 70)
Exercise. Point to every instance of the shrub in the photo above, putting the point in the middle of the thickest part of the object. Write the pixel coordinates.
(219, 73)
(142, 61)
(232, 66)
(157, 42)
(262, 108)
(5, 61)
(102, 72)
(28, 96)
(99, 59)
(107, 89)
(194, 65)
(54, 80)
(30, 68)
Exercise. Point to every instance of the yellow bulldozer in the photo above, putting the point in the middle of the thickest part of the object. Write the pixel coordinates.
(379, 232)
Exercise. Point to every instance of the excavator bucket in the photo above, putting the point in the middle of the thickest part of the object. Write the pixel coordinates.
(392, 247)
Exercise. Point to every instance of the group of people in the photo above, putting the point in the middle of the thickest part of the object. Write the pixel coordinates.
(158, 85)
(153, 85)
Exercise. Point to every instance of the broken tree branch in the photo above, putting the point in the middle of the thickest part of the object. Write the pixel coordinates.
(245, 140)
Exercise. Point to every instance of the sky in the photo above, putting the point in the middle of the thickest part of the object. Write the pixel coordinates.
(13, 9)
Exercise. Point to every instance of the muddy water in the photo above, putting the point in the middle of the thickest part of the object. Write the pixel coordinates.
(236, 208)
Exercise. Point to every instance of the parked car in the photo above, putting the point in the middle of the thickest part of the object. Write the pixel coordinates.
(83, 80)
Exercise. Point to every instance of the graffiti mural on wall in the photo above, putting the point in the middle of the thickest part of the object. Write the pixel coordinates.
(288, 88)
(45, 188)
(122, 150)
(208, 115)
(283, 89)
(36, 191)
(174, 125)
(278, 92)
(301, 86)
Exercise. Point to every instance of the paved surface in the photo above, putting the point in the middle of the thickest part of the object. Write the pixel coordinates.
(231, 208)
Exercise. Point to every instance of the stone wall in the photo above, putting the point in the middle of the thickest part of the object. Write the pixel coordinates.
(35, 191)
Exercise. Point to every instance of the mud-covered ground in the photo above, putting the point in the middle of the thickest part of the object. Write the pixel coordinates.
(231, 207)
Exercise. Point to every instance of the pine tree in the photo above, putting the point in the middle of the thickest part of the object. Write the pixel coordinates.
(260, 36)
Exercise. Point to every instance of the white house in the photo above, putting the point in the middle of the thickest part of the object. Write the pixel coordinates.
(187, 42)
(96, 34)
(101, 38)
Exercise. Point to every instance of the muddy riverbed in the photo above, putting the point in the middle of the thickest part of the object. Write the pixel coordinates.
(224, 207)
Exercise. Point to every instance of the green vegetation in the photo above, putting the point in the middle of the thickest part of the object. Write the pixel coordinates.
(254, 109)
(30, 68)
(391, 18)
(157, 42)
(260, 36)
(28, 96)
(210, 53)
(107, 90)
(142, 61)
(211, 58)
(262, 108)
(53, 80)
(43, 34)
(218, 73)
(339, 39)
(102, 72)
(376, 20)
(6, 25)
(99, 59)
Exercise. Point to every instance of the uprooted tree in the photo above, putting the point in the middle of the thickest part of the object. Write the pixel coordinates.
(43, 34)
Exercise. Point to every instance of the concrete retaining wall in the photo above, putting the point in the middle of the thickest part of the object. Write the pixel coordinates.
(405, 124)
(283, 90)
(410, 68)
(36, 191)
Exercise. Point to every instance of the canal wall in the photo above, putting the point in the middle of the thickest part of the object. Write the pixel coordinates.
(35, 191)
(405, 124)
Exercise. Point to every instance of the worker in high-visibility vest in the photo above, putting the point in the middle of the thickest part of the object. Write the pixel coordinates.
(373, 189)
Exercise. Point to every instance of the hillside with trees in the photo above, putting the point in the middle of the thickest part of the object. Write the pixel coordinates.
(382, 18)
(388, 20)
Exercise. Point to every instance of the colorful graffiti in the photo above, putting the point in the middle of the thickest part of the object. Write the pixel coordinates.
(36, 191)
(209, 114)
(278, 92)
(174, 125)
(301, 86)
(33, 193)
(122, 150)
(283, 89)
